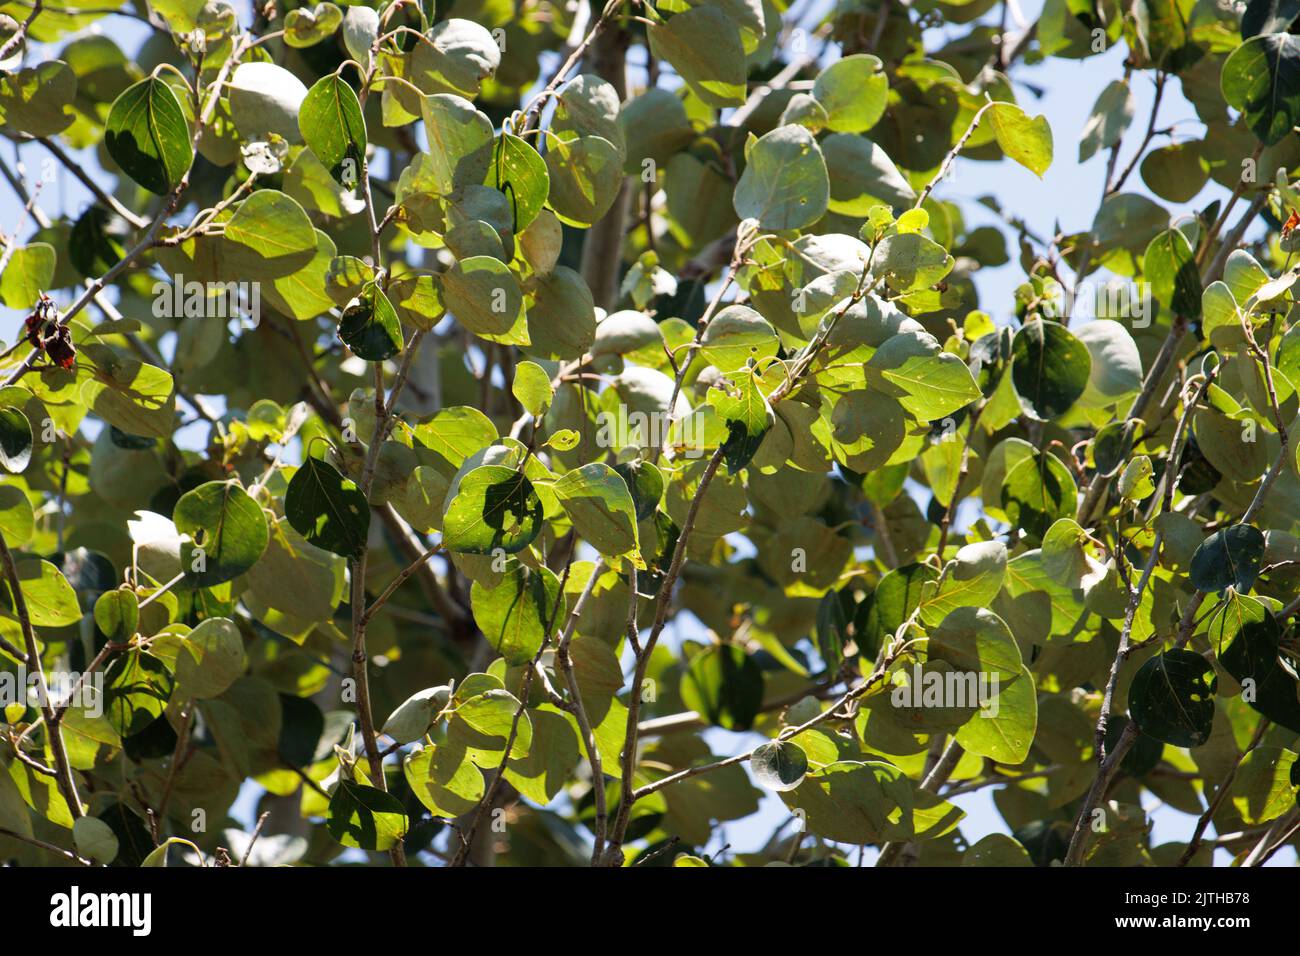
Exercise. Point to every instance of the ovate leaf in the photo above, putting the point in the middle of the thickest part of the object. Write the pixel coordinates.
(780, 765)
(1172, 698)
(332, 127)
(146, 134)
(365, 817)
(1261, 78)
(327, 508)
(1230, 558)
(1027, 141)
(494, 507)
(785, 184)
(1049, 368)
(724, 685)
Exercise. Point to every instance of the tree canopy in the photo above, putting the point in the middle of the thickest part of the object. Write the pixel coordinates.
(538, 433)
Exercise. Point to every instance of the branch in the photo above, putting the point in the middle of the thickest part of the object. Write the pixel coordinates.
(151, 235)
(897, 651)
(67, 784)
(75, 168)
(16, 40)
(533, 113)
(48, 847)
(1201, 824)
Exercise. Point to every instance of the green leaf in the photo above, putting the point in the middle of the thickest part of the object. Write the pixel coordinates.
(1116, 373)
(519, 172)
(1049, 368)
(724, 685)
(456, 57)
(532, 386)
(514, 615)
(540, 774)
(646, 483)
(853, 91)
(856, 802)
(95, 840)
(264, 101)
(307, 26)
(1109, 119)
(975, 640)
(785, 184)
(446, 783)
(974, 579)
(585, 176)
(1268, 16)
(862, 176)
(484, 296)
(597, 500)
(51, 602)
(332, 127)
(1176, 172)
(17, 517)
(898, 594)
(137, 686)
(735, 335)
(146, 134)
(29, 273)
(748, 416)
(910, 262)
(1038, 491)
(117, 614)
(1248, 638)
(15, 440)
(1170, 267)
(1003, 729)
(1027, 141)
(494, 507)
(1265, 786)
(704, 46)
(1172, 698)
(562, 316)
(365, 817)
(210, 659)
(1067, 556)
(137, 398)
(780, 765)
(927, 381)
(1261, 78)
(997, 850)
(370, 327)
(38, 100)
(327, 508)
(480, 726)
(460, 143)
(227, 532)
(1230, 558)
(413, 717)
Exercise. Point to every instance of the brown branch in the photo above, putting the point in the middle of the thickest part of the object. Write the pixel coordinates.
(48, 847)
(67, 783)
(1198, 834)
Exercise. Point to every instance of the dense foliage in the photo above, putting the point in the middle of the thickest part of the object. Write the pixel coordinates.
(527, 433)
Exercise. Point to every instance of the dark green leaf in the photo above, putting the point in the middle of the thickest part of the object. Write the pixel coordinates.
(365, 817)
(332, 127)
(227, 532)
(1050, 368)
(327, 509)
(724, 685)
(1230, 558)
(146, 134)
(1172, 698)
